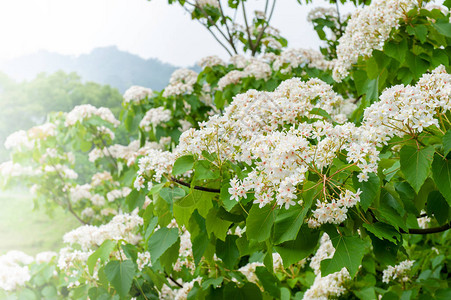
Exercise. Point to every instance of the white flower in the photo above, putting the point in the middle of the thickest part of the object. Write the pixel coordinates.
(136, 94)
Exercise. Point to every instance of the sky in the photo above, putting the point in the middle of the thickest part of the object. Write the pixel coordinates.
(149, 29)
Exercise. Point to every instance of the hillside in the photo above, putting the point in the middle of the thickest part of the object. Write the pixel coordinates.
(107, 65)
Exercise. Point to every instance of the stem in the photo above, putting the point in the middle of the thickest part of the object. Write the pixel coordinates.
(199, 188)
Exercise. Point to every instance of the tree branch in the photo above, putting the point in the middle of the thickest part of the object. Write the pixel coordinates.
(430, 230)
(208, 28)
(199, 188)
(260, 35)
(227, 28)
(251, 47)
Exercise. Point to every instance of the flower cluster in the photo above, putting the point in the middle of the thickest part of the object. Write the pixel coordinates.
(121, 227)
(24, 140)
(127, 153)
(212, 3)
(181, 82)
(399, 272)
(154, 117)
(210, 61)
(250, 131)
(135, 94)
(14, 268)
(153, 166)
(83, 112)
(367, 30)
(410, 109)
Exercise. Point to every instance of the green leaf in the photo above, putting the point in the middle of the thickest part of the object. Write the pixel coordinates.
(102, 253)
(415, 164)
(135, 199)
(447, 142)
(396, 50)
(171, 195)
(417, 65)
(183, 164)
(370, 190)
(215, 282)
(441, 173)
(225, 197)
(217, 225)
(437, 207)
(228, 251)
(420, 31)
(161, 240)
(294, 251)
(383, 231)
(390, 211)
(246, 292)
(203, 169)
(288, 223)
(447, 3)
(443, 28)
(120, 274)
(349, 251)
(259, 222)
(269, 282)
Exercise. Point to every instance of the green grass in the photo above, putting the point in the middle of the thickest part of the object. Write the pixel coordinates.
(28, 230)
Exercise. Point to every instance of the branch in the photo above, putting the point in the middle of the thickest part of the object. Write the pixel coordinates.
(227, 28)
(430, 230)
(208, 28)
(260, 35)
(174, 281)
(199, 188)
(251, 47)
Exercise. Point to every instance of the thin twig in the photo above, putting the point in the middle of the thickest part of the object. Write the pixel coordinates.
(251, 47)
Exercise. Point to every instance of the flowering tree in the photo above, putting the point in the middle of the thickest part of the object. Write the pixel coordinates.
(292, 174)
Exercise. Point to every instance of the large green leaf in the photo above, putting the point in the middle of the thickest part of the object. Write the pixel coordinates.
(183, 164)
(417, 65)
(245, 292)
(171, 195)
(396, 50)
(443, 28)
(370, 190)
(120, 274)
(259, 222)
(288, 223)
(269, 282)
(441, 172)
(305, 243)
(383, 231)
(216, 225)
(384, 250)
(447, 142)
(349, 251)
(102, 253)
(203, 169)
(415, 164)
(161, 240)
(437, 207)
(228, 251)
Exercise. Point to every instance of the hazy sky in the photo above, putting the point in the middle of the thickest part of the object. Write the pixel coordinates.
(148, 29)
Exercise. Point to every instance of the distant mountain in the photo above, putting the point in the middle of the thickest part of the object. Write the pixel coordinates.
(107, 65)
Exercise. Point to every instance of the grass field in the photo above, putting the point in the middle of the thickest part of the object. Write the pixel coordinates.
(28, 230)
